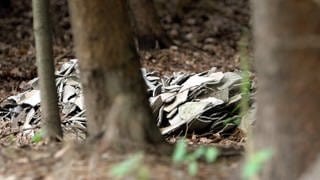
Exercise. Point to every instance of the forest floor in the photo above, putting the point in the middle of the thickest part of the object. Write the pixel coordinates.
(207, 35)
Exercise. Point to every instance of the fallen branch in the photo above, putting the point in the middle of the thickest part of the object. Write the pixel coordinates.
(18, 131)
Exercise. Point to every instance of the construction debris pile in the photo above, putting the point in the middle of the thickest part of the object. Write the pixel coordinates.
(202, 103)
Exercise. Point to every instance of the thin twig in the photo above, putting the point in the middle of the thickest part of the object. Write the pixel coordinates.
(18, 131)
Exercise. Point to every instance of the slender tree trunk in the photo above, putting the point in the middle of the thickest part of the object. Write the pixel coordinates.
(147, 25)
(287, 34)
(43, 40)
(110, 68)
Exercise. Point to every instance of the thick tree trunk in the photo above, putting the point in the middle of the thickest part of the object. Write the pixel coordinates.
(147, 25)
(44, 55)
(110, 68)
(288, 61)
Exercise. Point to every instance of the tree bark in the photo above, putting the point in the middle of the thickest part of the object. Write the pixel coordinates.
(288, 63)
(109, 67)
(44, 55)
(147, 25)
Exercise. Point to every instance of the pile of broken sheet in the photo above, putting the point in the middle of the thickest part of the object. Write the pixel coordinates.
(202, 103)
(207, 102)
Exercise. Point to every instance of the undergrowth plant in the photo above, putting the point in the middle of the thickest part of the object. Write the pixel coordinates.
(254, 160)
(181, 156)
(38, 137)
(132, 166)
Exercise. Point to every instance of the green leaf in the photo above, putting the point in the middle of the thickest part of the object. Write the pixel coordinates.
(180, 151)
(211, 154)
(237, 121)
(193, 168)
(197, 153)
(38, 137)
(255, 163)
(143, 173)
(235, 109)
(232, 120)
(127, 166)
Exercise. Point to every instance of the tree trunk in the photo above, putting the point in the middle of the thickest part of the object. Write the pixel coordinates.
(44, 55)
(109, 67)
(147, 25)
(288, 62)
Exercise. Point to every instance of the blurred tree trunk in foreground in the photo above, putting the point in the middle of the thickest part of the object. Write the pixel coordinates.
(147, 25)
(44, 55)
(288, 62)
(110, 68)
